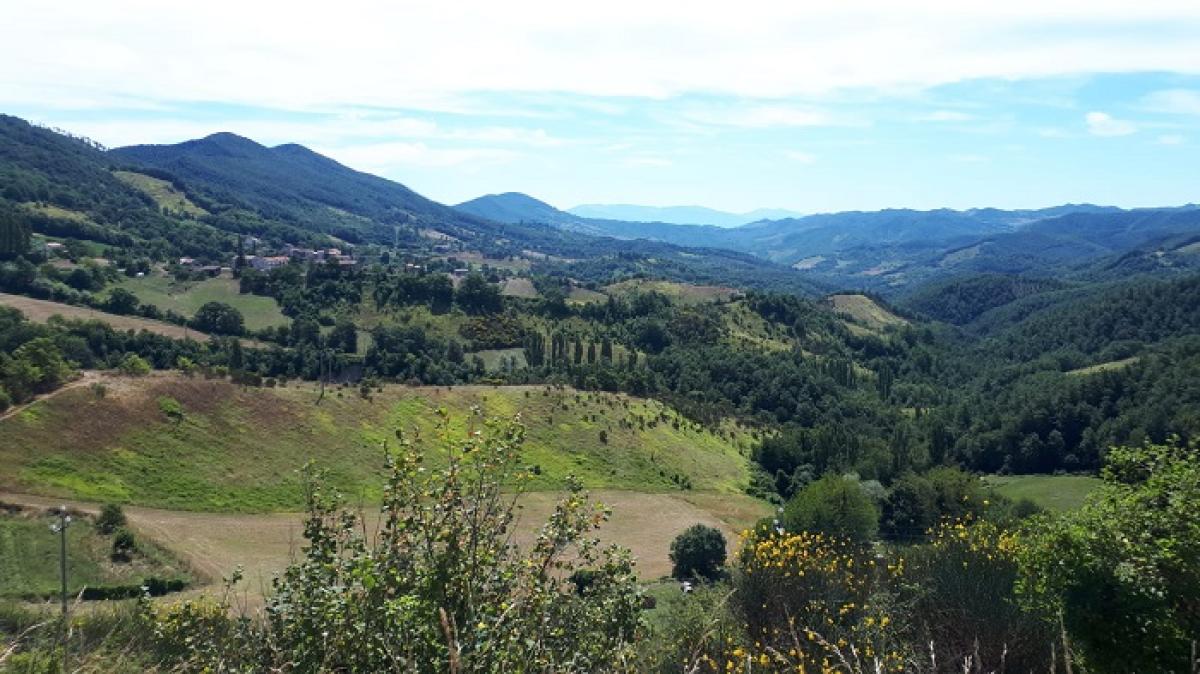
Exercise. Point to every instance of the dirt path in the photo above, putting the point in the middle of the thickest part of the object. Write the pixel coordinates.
(86, 378)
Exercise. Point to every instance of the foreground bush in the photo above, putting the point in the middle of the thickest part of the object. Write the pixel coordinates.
(1124, 571)
(439, 588)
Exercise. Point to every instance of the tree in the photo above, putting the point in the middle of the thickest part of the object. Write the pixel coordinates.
(344, 337)
(14, 234)
(37, 366)
(476, 296)
(219, 318)
(698, 551)
(121, 301)
(834, 505)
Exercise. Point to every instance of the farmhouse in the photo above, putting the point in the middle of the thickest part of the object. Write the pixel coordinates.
(268, 263)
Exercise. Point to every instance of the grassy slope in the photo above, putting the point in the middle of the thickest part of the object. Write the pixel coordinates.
(684, 293)
(240, 450)
(865, 310)
(164, 193)
(1053, 492)
(29, 557)
(186, 298)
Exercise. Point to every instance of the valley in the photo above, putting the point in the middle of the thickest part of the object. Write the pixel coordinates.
(215, 336)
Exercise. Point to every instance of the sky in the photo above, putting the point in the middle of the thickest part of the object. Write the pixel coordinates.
(810, 106)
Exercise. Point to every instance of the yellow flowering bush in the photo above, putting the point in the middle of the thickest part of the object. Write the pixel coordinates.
(812, 603)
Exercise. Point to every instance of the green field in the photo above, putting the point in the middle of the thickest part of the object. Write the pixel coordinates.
(29, 553)
(240, 449)
(1053, 492)
(185, 298)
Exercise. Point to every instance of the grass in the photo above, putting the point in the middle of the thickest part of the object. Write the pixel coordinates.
(53, 211)
(1104, 367)
(164, 193)
(581, 295)
(41, 310)
(1053, 492)
(29, 556)
(186, 298)
(865, 310)
(240, 450)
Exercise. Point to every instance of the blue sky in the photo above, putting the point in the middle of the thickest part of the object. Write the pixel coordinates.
(814, 109)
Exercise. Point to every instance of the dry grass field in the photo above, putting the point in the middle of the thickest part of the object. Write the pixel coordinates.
(263, 544)
(865, 310)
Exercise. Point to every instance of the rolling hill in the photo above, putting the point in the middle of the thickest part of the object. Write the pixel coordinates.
(240, 449)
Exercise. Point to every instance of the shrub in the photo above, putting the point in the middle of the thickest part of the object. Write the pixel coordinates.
(123, 545)
(698, 551)
(134, 366)
(111, 518)
(1124, 571)
(961, 590)
(807, 599)
(440, 587)
(834, 505)
(172, 408)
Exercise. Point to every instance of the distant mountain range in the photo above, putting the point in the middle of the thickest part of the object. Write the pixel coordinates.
(679, 215)
(893, 248)
(68, 187)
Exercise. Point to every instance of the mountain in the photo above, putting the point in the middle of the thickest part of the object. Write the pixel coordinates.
(677, 215)
(293, 184)
(515, 207)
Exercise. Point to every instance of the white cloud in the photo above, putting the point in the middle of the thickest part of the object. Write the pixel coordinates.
(800, 157)
(1171, 139)
(334, 130)
(758, 116)
(969, 158)
(945, 116)
(386, 157)
(427, 55)
(1173, 101)
(648, 161)
(1104, 124)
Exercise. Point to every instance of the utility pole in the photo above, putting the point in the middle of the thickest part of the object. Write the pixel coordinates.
(64, 520)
